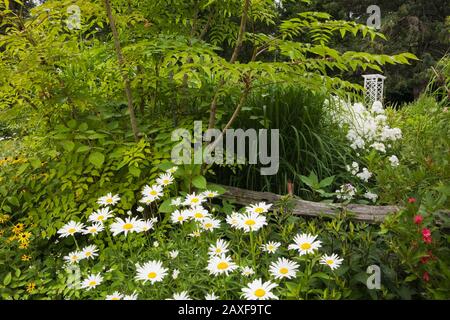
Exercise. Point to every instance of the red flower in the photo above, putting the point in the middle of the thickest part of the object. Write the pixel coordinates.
(426, 276)
(426, 232)
(412, 200)
(418, 219)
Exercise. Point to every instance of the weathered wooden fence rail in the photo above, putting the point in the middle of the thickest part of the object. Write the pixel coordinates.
(360, 212)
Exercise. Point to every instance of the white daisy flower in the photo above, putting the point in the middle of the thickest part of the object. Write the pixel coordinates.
(152, 193)
(101, 215)
(145, 225)
(183, 295)
(164, 179)
(257, 290)
(211, 296)
(152, 271)
(175, 274)
(258, 208)
(198, 213)
(70, 229)
(156, 244)
(180, 216)
(195, 234)
(140, 209)
(247, 271)
(74, 257)
(194, 200)
(219, 248)
(251, 221)
(173, 254)
(92, 281)
(132, 296)
(108, 200)
(176, 202)
(271, 246)
(94, 228)
(220, 264)
(209, 194)
(209, 224)
(89, 252)
(115, 296)
(172, 170)
(125, 226)
(233, 220)
(305, 243)
(283, 268)
(333, 261)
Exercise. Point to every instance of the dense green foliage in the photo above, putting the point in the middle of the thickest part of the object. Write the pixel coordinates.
(67, 138)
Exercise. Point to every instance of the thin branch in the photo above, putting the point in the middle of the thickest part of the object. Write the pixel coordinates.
(126, 80)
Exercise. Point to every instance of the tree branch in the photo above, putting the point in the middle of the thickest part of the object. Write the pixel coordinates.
(126, 80)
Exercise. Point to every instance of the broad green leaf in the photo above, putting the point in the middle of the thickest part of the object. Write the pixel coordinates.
(97, 159)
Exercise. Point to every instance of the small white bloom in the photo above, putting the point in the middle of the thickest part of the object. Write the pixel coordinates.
(258, 208)
(333, 261)
(115, 296)
(210, 194)
(175, 273)
(92, 281)
(220, 265)
(152, 271)
(257, 290)
(247, 271)
(94, 229)
(101, 215)
(394, 161)
(251, 221)
(283, 268)
(209, 224)
(305, 244)
(371, 196)
(165, 179)
(219, 248)
(70, 229)
(180, 296)
(108, 200)
(211, 296)
(140, 209)
(89, 252)
(271, 246)
(173, 254)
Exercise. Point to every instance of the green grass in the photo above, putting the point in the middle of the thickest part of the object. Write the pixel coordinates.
(308, 142)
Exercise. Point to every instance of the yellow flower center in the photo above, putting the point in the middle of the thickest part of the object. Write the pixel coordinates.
(151, 275)
(88, 254)
(218, 250)
(127, 226)
(92, 283)
(198, 215)
(153, 193)
(109, 200)
(71, 230)
(284, 270)
(92, 230)
(259, 210)
(180, 218)
(222, 265)
(305, 246)
(250, 222)
(208, 225)
(74, 258)
(194, 200)
(115, 298)
(101, 218)
(165, 181)
(260, 293)
(329, 262)
(270, 247)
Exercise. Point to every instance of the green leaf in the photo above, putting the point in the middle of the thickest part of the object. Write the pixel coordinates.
(35, 163)
(199, 182)
(135, 171)
(68, 145)
(7, 279)
(14, 201)
(326, 182)
(22, 168)
(97, 159)
(165, 207)
(83, 149)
